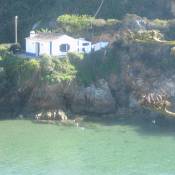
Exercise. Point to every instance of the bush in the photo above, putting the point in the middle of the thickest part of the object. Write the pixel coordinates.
(148, 35)
(111, 22)
(99, 22)
(43, 30)
(18, 70)
(75, 23)
(76, 58)
(55, 69)
(161, 22)
(22, 72)
(4, 48)
(48, 70)
(93, 66)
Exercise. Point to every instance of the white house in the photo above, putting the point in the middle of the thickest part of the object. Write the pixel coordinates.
(57, 45)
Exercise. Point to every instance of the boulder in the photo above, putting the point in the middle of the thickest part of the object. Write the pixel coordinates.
(134, 22)
(94, 99)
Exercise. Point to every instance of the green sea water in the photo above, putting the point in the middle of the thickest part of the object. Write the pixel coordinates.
(120, 148)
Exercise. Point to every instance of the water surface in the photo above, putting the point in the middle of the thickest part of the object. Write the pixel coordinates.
(28, 148)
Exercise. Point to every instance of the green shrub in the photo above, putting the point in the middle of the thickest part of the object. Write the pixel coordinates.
(4, 48)
(75, 23)
(111, 22)
(43, 30)
(160, 22)
(19, 70)
(55, 69)
(76, 58)
(48, 70)
(99, 22)
(148, 35)
(93, 66)
(22, 72)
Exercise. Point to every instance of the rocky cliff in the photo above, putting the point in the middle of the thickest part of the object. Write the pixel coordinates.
(137, 62)
(144, 68)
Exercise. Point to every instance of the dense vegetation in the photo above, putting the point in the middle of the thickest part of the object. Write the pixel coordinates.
(16, 70)
(75, 23)
(20, 77)
(32, 12)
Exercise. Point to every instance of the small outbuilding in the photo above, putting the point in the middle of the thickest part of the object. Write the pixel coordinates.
(58, 44)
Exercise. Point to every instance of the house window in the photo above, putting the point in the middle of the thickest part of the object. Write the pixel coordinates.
(64, 47)
(85, 44)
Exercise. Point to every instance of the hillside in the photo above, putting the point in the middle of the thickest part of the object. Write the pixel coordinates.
(138, 61)
(31, 12)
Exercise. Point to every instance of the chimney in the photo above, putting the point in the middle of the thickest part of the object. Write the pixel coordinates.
(32, 33)
(16, 29)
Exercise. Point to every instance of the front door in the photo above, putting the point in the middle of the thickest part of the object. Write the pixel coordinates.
(37, 49)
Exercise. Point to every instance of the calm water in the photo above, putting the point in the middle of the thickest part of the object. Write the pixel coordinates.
(28, 148)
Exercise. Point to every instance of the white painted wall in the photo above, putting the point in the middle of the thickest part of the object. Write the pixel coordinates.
(30, 46)
(84, 48)
(44, 47)
(99, 46)
(76, 45)
(64, 40)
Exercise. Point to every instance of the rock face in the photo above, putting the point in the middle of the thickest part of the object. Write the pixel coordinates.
(145, 68)
(94, 99)
(134, 23)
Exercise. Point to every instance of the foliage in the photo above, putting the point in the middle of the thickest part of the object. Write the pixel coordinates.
(18, 70)
(54, 69)
(76, 57)
(99, 23)
(43, 30)
(4, 48)
(48, 70)
(93, 66)
(148, 35)
(29, 69)
(83, 25)
(112, 22)
(75, 23)
(32, 11)
(160, 22)
(104, 23)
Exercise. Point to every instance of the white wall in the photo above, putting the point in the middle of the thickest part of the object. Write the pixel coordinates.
(64, 40)
(44, 47)
(99, 46)
(30, 46)
(76, 45)
(83, 48)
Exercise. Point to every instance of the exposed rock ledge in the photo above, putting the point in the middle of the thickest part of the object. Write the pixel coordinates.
(94, 99)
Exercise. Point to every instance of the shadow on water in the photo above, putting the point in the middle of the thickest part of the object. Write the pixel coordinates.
(145, 126)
